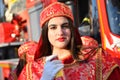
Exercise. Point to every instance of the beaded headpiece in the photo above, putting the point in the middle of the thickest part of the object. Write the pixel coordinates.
(53, 10)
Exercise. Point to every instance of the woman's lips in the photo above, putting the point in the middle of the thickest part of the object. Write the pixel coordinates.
(61, 39)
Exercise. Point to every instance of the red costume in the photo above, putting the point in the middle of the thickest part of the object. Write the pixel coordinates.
(94, 63)
(86, 70)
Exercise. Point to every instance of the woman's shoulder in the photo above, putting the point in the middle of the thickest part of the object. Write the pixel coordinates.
(89, 41)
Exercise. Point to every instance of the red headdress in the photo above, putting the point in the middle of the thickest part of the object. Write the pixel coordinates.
(53, 10)
(29, 49)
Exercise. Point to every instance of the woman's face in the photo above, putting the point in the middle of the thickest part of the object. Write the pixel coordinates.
(59, 33)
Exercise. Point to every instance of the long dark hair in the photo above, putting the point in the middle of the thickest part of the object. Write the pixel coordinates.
(20, 66)
(44, 46)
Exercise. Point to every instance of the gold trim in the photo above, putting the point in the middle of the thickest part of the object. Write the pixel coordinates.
(99, 65)
(29, 71)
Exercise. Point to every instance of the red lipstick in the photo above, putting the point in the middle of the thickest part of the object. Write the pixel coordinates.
(61, 39)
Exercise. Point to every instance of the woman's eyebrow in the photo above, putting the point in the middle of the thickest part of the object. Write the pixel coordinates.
(51, 25)
(56, 24)
(65, 23)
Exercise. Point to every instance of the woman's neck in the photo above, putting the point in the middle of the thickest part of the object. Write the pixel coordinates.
(64, 55)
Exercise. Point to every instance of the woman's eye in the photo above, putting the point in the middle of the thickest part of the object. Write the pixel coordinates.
(65, 26)
(52, 27)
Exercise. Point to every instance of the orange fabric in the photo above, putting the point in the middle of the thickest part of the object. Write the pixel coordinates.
(6, 72)
(55, 9)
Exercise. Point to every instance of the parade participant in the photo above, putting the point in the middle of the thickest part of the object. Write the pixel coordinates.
(62, 56)
(26, 54)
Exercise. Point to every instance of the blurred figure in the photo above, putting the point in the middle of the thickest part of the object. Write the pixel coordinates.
(85, 28)
(20, 28)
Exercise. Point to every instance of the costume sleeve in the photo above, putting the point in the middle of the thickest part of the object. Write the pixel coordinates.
(32, 71)
(115, 75)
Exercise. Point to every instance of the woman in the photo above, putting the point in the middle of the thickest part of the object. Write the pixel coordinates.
(26, 54)
(60, 54)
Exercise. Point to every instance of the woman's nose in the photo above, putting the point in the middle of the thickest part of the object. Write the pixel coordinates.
(60, 31)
